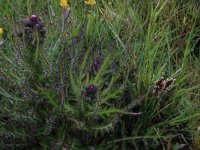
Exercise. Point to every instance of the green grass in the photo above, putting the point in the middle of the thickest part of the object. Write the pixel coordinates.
(120, 47)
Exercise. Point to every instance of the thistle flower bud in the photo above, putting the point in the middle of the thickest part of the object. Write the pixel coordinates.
(33, 20)
(43, 32)
(91, 89)
(32, 26)
(27, 30)
(42, 24)
(26, 22)
(37, 26)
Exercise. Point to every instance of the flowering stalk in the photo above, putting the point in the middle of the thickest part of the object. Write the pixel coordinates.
(33, 33)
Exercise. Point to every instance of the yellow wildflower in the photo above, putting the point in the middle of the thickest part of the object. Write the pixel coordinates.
(64, 3)
(1, 31)
(90, 2)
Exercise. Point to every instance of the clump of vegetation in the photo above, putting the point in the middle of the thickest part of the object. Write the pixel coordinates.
(99, 74)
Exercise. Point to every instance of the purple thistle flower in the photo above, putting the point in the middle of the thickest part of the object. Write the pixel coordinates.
(27, 30)
(26, 22)
(91, 89)
(37, 26)
(33, 25)
(33, 20)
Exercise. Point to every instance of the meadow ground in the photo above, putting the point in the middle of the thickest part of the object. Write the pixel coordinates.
(104, 74)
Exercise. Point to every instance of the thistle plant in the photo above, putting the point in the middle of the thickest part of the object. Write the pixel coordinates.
(97, 80)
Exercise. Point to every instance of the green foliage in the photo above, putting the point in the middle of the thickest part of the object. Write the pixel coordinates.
(90, 83)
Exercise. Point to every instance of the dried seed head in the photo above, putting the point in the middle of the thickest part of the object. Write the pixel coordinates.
(168, 84)
(161, 85)
(160, 82)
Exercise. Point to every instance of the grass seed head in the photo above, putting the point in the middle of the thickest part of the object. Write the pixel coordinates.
(161, 85)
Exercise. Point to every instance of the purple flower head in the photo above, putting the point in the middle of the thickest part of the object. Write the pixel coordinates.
(27, 30)
(91, 89)
(32, 25)
(33, 20)
(37, 26)
(26, 22)
(42, 24)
